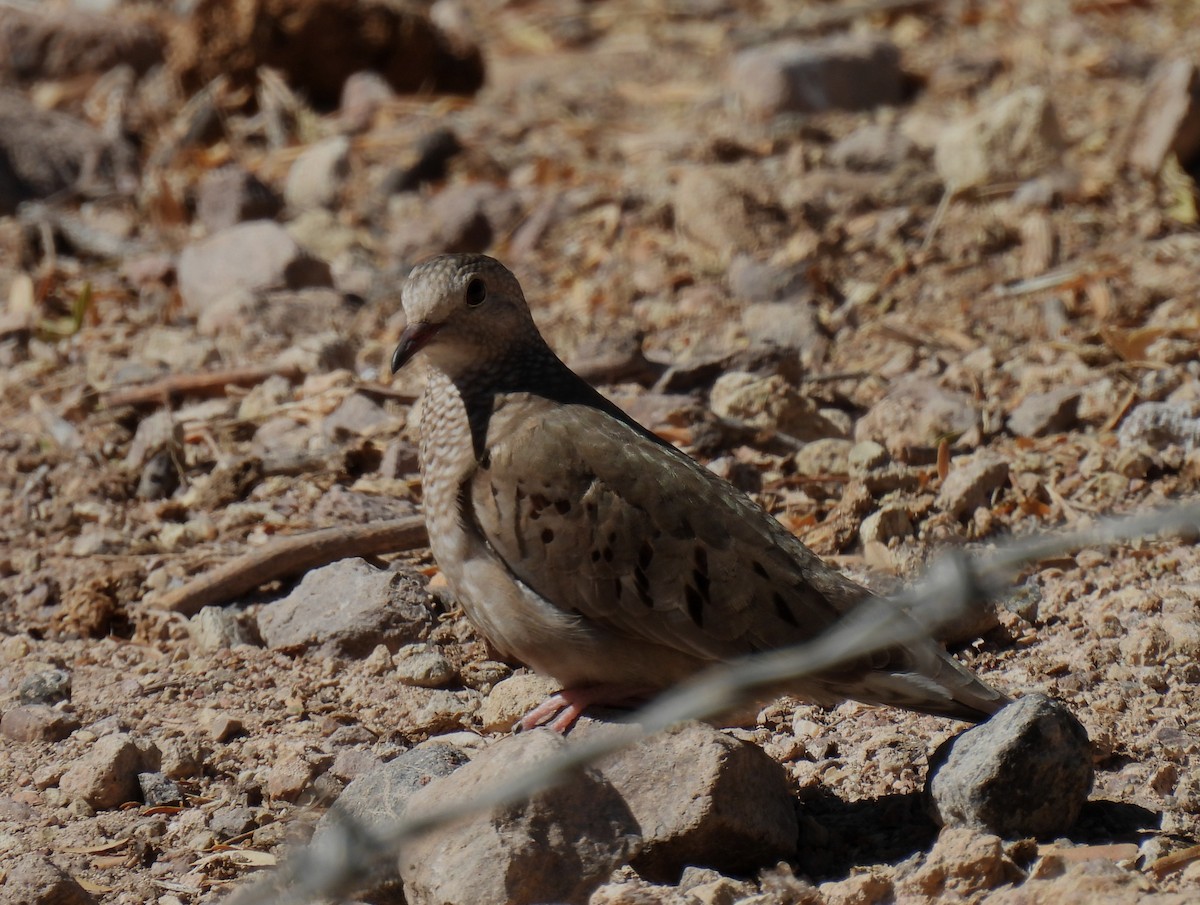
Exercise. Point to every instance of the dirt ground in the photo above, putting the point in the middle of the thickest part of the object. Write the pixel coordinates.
(608, 160)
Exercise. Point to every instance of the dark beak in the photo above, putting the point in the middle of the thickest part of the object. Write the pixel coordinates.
(414, 338)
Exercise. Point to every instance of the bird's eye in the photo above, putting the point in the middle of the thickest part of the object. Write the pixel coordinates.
(476, 292)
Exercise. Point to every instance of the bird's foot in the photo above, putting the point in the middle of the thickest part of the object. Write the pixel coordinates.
(560, 711)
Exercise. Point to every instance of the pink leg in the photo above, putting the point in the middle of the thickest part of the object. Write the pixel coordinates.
(560, 711)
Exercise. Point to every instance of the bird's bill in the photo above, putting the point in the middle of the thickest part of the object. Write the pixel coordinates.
(414, 338)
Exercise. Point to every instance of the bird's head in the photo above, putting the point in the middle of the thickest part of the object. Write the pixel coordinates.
(462, 310)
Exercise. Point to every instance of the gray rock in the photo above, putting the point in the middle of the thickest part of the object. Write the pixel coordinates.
(232, 820)
(702, 798)
(363, 93)
(1159, 424)
(1040, 414)
(556, 846)
(376, 800)
(45, 152)
(839, 73)
(866, 457)
(1011, 140)
(35, 880)
(1025, 772)
(255, 256)
(760, 281)
(917, 413)
(970, 483)
(231, 195)
(715, 207)
(770, 402)
(824, 457)
(106, 775)
(46, 687)
(54, 43)
(875, 146)
(346, 609)
(317, 175)
(158, 789)
(423, 666)
(791, 324)
(357, 415)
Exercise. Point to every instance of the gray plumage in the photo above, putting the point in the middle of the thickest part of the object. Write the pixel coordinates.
(582, 545)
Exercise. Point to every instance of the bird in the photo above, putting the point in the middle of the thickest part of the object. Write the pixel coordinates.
(584, 546)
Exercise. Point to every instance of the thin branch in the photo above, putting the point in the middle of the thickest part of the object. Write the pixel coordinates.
(291, 556)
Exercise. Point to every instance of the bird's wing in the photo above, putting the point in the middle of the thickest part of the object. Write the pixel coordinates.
(600, 520)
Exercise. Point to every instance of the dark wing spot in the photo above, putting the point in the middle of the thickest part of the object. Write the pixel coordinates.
(537, 503)
(642, 583)
(608, 554)
(618, 588)
(759, 570)
(700, 573)
(695, 605)
(547, 535)
(783, 610)
(485, 461)
(645, 555)
(595, 556)
(563, 506)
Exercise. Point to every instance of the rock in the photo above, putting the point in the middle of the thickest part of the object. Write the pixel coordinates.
(714, 207)
(962, 863)
(890, 520)
(351, 763)
(866, 457)
(701, 797)
(839, 73)
(1025, 772)
(1045, 413)
(47, 152)
(316, 45)
(829, 456)
(462, 217)
(1159, 424)
(432, 155)
(363, 93)
(37, 723)
(446, 711)
(423, 666)
(290, 776)
(867, 888)
(255, 256)
(106, 775)
(230, 195)
(792, 325)
(917, 413)
(1168, 118)
(484, 675)
(1011, 140)
(758, 281)
(873, 147)
(223, 726)
(47, 686)
(35, 880)
(346, 608)
(53, 43)
(970, 483)
(158, 789)
(514, 697)
(358, 415)
(231, 821)
(317, 175)
(216, 628)
(376, 800)
(770, 402)
(556, 846)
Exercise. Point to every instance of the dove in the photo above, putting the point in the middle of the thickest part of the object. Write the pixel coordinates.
(587, 548)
